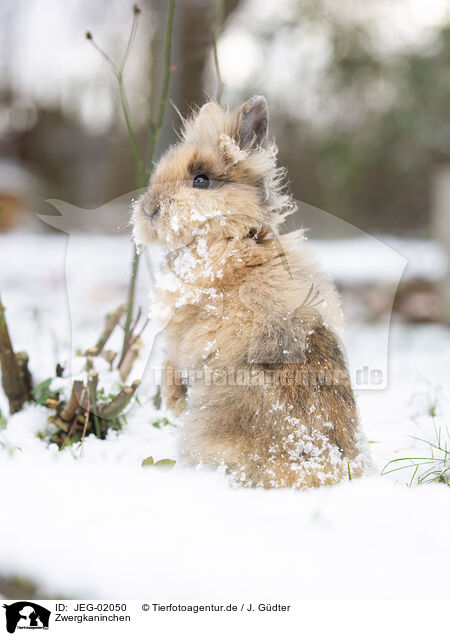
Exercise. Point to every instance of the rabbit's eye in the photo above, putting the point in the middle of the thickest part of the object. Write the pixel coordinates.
(201, 181)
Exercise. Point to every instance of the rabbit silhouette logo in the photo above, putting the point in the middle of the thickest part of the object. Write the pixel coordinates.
(26, 615)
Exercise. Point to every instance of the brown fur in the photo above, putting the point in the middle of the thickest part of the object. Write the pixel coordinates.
(248, 317)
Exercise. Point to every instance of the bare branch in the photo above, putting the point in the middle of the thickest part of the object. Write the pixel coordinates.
(136, 13)
(155, 131)
(113, 409)
(111, 322)
(130, 358)
(68, 412)
(105, 56)
(16, 378)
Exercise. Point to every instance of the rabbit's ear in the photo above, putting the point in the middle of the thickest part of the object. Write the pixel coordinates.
(253, 122)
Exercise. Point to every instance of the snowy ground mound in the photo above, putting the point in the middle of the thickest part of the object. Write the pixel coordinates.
(91, 522)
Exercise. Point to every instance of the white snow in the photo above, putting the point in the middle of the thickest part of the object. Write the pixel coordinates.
(231, 148)
(90, 522)
(359, 260)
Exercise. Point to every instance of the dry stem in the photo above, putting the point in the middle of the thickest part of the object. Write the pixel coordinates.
(112, 409)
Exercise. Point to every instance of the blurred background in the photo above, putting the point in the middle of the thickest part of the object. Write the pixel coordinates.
(359, 98)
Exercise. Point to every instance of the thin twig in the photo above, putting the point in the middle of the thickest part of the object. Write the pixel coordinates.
(72, 427)
(130, 299)
(131, 134)
(104, 55)
(130, 338)
(129, 45)
(111, 322)
(144, 326)
(118, 73)
(155, 130)
(86, 418)
(136, 320)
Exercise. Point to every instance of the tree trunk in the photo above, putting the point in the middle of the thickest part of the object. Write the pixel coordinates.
(197, 24)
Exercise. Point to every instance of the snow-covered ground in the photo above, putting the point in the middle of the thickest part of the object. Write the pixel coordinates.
(90, 522)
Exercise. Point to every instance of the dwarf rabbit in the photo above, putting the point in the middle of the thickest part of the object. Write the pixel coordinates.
(255, 366)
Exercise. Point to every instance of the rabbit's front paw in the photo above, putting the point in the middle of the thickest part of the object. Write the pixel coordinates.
(174, 395)
(178, 405)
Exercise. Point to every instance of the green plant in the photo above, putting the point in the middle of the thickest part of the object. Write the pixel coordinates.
(3, 420)
(42, 392)
(155, 128)
(162, 463)
(162, 422)
(90, 408)
(434, 467)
